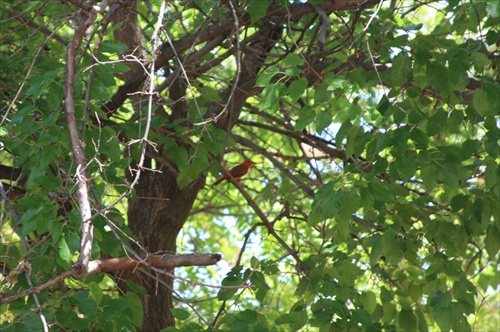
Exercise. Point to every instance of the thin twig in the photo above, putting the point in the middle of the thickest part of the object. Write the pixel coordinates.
(270, 228)
(28, 73)
(238, 70)
(367, 24)
(276, 163)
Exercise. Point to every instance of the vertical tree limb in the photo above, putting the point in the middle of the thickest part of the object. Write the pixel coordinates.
(78, 150)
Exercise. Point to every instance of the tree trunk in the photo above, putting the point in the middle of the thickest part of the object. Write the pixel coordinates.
(160, 207)
(156, 216)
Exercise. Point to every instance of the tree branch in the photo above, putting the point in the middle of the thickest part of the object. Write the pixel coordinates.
(278, 14)
(123, 263)
(78, 151)
(269, 226)
(278, 165)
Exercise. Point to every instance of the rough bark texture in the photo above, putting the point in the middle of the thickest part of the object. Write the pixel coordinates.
(156, 216)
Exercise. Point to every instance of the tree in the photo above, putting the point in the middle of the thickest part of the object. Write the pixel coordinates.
(373, 205)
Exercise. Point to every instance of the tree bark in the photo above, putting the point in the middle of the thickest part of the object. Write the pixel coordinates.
(156, 216)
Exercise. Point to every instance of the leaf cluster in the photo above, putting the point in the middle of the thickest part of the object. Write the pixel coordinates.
(374, 202)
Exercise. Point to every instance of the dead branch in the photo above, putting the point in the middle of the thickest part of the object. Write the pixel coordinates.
(115, 264)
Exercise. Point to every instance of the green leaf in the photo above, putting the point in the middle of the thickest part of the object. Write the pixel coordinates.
(369, 301)
(323, 120)
(113, 46)
(362, 316)
(454, 123)
(415, 116)
(249, 316)
(324, 309)
(383, 105)
(109, 144)
(437, 74)
(73, 241)
(38, 88)
(347, 273)
(136, 288)
(407, 321)
(254, 262)
(440, 299)
(233, 278)
(54, 99)
(95, 292)
(436, 123)
(259, 281)
(134, 308)
(322, 93)
(257, 9)
(480, 60)
(210, 94)
(492, 242)
(55, 230)
(64, 251)
(481, 102)
(379, 190)
(84, 302)
(458, 64)
(391, 247)
(328, 199)
(316, 216)
(413, 27)
(390, 313)
(297, 88)
(293, 59)
(179, 313)
(407, 164)
(269, 97)
(218, 140)
(28, 221)
(352, 135)
(460, 322)
(293, 72)
(350, 204)
(266, 76)
(297, 317)
(465, 292)
(342, 132)
(306, 116)
(401, 67)
(420, 138)
(422, 323)
(469, 148)
(458, 202)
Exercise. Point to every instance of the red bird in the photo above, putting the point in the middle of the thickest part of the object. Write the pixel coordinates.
(236, 172)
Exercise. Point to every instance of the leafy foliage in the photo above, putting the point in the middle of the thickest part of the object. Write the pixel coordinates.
(376, 151)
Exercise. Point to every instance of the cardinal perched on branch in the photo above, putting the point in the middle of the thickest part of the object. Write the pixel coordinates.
(236, 172)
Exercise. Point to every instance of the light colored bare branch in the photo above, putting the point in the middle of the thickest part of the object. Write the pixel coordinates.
(79, 156)
(115, 264)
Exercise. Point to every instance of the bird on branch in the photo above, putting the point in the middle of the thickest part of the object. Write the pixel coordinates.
(236, 172)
